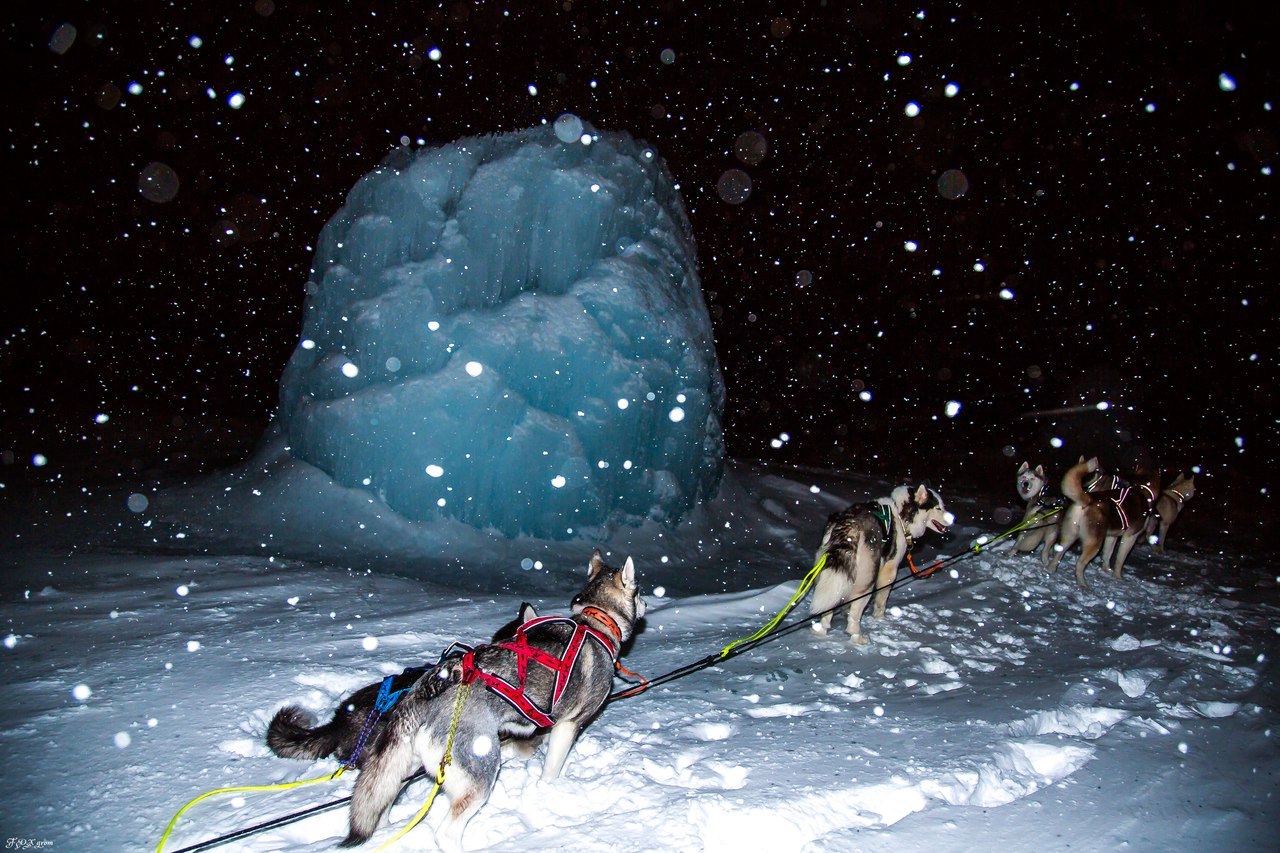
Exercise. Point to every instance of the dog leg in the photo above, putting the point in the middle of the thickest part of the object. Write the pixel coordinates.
(380, 779)
(1108, 551)
(1089, 549)
(1050, 539)
(884, 578)
(1027, 542)
(468, 782)
(1164, 531)
(1067, 539)
(559, 742)
(855, 621)
(827, 593)
(1126, 545)
(857, 588)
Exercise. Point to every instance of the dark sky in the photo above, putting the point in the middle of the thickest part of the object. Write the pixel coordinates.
(1117, 162)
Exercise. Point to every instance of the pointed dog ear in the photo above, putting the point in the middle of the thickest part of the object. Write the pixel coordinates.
(1093, 463)
(527, 613)
(629, 573)
(596, 564)
(1040, 471)
(1024, 466)
(922, 493)
(1081, 459)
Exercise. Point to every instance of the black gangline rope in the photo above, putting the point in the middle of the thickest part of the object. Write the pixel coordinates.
(635, 690)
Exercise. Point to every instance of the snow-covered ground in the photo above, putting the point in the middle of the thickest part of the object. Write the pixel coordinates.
(997, 706)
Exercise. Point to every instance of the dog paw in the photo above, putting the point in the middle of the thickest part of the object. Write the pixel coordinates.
(858, 639)
(818, 628)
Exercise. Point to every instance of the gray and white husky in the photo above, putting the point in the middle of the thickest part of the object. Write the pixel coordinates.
(429, 716)
(354, 731)
(864, 545)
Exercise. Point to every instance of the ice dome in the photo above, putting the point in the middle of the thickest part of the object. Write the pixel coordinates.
(510, 331)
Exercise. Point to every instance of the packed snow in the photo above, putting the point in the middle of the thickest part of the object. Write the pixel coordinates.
(996, 705)
(509, 331)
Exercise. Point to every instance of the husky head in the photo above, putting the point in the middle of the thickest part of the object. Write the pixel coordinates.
(1185, 485)
(921, 510)
(613, 591)
(1031, 481)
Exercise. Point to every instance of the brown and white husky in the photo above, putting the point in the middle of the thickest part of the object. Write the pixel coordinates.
(1095, 517)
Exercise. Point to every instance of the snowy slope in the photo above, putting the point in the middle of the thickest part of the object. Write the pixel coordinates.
(998, 706)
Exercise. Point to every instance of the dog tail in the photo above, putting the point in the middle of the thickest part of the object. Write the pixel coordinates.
(1073, 481)
(293, 734)
(385, 770)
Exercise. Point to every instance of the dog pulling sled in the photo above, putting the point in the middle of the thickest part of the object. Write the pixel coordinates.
(394, 689)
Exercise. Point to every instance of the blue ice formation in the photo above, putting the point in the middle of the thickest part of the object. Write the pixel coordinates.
(509, 331)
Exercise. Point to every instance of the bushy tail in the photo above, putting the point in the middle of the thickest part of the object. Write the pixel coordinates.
(1073, 481)
(292, 734)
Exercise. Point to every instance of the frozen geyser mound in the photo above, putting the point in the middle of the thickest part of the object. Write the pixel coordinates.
(509, 331)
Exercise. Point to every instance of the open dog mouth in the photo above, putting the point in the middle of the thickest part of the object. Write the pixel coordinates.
(941, 525)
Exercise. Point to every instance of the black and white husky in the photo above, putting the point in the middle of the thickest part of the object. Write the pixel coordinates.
(555, 673)
(863, 546)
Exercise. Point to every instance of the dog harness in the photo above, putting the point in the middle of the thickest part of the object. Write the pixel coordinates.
(1105, 483)
(1124, 493)
(389, 693)
(885, 514)
(525, 653)
(1118, 500)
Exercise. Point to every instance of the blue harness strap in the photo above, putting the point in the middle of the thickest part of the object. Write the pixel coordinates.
(389, 695)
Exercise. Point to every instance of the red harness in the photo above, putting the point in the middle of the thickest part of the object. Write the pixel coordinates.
(562, 666)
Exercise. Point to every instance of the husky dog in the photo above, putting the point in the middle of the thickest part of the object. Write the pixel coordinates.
(293, 733)
(863, 546)
(564, 669)
(1098, 518)
(1169, 505)
(1032, 487)
(1042, 502)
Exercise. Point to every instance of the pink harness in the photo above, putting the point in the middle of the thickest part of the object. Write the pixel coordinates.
(562, 666)
(1119, 502)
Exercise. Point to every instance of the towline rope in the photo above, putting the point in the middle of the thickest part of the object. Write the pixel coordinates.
(445, 761)
(771, 630)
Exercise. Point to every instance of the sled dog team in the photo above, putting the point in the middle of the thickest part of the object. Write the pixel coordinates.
(551, 675)
(1100, 511)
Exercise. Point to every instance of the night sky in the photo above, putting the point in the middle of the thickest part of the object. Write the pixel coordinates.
(1085, 215)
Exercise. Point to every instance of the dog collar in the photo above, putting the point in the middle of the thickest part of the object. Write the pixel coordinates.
(1177, 494)
(610, 624)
